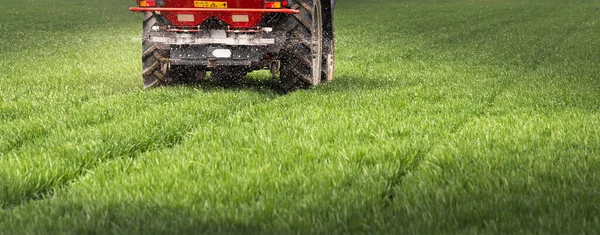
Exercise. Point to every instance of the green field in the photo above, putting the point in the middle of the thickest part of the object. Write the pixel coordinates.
(446, 116)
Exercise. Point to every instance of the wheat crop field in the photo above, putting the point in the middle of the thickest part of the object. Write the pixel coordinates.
(445, 117)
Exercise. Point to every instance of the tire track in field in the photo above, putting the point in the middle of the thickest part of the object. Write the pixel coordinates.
(411, 163)
(544, 55)
(23, 136)
(504, 85)
(73, 120)
(48, 190)
(221, 119)
(167, 136)
(243, 110)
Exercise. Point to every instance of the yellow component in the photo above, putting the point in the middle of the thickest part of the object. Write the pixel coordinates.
(210, 4)
(276, 4)
(143, 3)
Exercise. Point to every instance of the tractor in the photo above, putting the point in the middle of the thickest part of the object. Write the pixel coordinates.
(186, 40)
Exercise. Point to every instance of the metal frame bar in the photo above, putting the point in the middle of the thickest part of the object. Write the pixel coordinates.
(229, 10)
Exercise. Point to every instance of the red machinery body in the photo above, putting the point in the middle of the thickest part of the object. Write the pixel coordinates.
(238, 14)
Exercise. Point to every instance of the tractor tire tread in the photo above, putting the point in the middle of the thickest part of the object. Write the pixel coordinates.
(297, 62)
(155, 70)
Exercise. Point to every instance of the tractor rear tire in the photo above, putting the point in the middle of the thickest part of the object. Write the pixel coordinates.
(155, 56)
(302, 59)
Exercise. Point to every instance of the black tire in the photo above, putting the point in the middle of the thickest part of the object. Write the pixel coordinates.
(155, 56)
(302, 59)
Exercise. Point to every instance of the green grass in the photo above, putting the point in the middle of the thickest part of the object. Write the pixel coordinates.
(459, 116)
